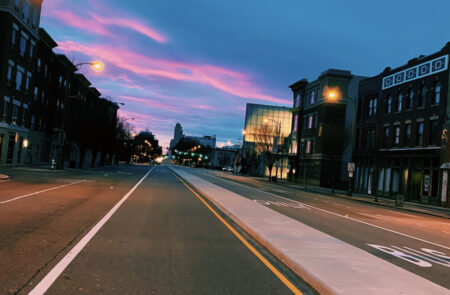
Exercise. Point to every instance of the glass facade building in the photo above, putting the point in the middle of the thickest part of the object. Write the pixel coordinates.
(256, 114)
(256, 117)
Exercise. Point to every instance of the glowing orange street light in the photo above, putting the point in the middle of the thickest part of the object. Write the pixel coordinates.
(332, 94)
(97, 66)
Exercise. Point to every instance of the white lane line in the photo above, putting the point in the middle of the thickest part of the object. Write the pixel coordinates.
(51, 277)
(39, 192)
(343, 216)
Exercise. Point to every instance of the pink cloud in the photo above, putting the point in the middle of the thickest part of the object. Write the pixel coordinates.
(78, 22)
(231, 82)
(99, 25)
(151, 103)
(131, 24)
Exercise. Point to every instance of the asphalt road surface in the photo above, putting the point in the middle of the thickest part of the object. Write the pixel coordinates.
(416, 242)
(125, 230)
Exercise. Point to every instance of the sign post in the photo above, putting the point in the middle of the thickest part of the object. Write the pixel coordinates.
(351, 169)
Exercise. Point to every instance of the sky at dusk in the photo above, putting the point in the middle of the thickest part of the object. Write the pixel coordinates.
(199, 62)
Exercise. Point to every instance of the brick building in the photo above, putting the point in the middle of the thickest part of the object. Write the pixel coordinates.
(322, 130)
(19, 25)
(402, 114)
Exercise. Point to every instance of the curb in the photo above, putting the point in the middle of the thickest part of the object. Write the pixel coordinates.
(316, 283)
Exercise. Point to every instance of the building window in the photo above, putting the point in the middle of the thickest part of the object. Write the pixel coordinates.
(16, 5)
(407, 134)
(297, 100)
(294, 147)
(5, 108)
(14, 33)
(27, 82)
(434, 132)
(422, 97)
(397, 135)
(386, 136)
(310, 122)
(419, 134)
(45, 71)
(19, 77)
(313, 96)
(410, 99)
(33, 122)
(15, 113)
(399, 102)
(374, 107)
(23, 43)
(32, 44)
(38, 63)
(26, 11)
(295, 122)
(35, 94)
(308, 146)
(388, 105)
(10, 72)
(437, 93)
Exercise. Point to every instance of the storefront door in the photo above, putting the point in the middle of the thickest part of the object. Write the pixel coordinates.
(416, 182)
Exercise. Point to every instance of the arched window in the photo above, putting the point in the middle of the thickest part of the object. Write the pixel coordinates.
(399, 102)
(437, 93)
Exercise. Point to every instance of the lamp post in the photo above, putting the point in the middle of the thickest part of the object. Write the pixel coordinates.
(333, 95)
(278, 139)
(96, 66)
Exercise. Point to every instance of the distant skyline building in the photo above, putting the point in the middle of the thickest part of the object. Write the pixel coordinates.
(205, 140)
(177, 135)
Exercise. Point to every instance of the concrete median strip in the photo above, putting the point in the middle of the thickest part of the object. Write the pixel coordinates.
(329, 265)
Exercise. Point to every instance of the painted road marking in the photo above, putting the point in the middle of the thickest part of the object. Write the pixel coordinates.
(423, 257)
(39, 192)
(275, 271)
(51, 277)
(281, 204)
(343, 216)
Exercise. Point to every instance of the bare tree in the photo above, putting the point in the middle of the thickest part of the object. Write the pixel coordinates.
(264, 144)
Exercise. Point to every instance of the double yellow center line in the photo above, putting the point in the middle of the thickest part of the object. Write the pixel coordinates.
(269, 265)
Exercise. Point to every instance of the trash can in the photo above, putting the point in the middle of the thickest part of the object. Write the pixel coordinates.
(399, 200)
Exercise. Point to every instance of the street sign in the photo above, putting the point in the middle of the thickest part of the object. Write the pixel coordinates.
(351, 167)
(426, 183)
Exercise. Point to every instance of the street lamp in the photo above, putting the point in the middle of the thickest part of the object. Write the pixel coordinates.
(334, 95)
(96, 66)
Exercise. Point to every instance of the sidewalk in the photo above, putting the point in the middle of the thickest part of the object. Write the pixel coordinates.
(408, 206)
(329, 265)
